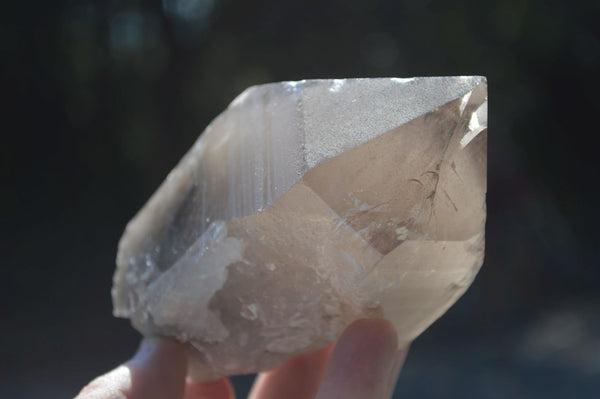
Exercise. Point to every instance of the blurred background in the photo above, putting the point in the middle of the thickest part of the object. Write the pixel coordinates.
(101, 99)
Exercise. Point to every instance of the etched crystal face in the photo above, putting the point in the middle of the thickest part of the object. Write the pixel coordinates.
(305, 206)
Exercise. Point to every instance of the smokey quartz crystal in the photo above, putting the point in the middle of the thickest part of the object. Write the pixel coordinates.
(305, 206)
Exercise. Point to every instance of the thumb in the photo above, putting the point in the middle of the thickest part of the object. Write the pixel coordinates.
(156, 371)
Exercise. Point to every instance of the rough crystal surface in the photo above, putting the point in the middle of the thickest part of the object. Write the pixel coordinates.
(307, 205)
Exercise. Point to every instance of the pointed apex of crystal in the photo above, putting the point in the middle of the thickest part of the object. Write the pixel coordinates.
(304, 206)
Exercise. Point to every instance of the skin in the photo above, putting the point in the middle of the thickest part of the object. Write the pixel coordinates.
(363, 364)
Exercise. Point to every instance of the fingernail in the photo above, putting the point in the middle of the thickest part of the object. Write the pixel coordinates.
(158, 369)
(159, 355)
(147, 348)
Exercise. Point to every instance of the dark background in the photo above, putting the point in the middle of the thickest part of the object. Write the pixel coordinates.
(101, 99)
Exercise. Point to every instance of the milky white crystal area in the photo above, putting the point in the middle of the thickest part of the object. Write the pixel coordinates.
(307, 205)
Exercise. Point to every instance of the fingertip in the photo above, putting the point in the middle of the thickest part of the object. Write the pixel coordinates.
(219, 389)
(378, 329)
(155, 349)
(399, 359)
(298, 378)
(362, 362)
(158, 370)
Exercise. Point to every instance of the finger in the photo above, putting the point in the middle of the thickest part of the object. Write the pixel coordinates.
(157, 371)
(111, 385)
(364, 362)
(298, 378)
(399, 359)
(220, 389)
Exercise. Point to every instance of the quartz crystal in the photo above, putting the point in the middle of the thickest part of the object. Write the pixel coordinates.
(305, 206)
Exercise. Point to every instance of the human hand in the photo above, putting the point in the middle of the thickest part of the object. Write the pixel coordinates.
(363, 364)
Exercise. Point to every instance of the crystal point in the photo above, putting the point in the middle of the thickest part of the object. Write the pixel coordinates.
(307, 205)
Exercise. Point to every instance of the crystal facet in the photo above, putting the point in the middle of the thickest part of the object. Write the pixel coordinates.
(307, 205)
